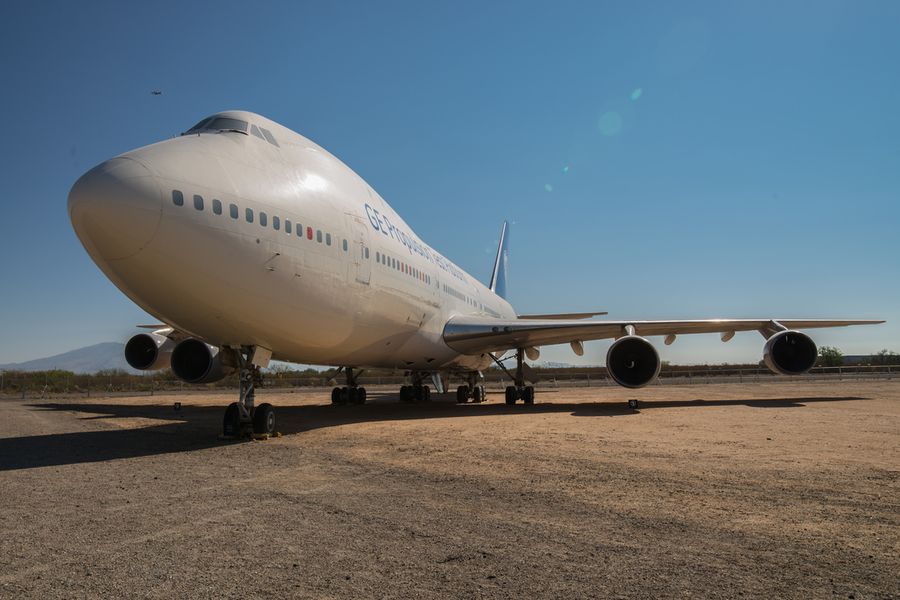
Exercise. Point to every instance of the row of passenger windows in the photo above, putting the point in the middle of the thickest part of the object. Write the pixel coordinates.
(277, 222)
(320, 237)
(401, 266)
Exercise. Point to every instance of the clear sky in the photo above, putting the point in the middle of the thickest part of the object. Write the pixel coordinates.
(656, 160)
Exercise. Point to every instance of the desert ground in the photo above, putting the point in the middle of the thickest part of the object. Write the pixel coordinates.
(786, 490)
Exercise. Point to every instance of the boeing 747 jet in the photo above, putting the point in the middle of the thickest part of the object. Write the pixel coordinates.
(250, 242)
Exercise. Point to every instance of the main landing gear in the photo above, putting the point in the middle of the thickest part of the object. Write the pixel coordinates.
(519, 391)
(417, 392)
(473, 390)
(351, 393)
(243, 418)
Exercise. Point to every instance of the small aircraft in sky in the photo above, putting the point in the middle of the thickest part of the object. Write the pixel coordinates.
(249, 242)
(156, 93)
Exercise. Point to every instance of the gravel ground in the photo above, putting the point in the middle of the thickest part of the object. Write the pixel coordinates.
(708, 491)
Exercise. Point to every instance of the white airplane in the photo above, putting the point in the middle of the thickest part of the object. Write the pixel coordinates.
(250, 242)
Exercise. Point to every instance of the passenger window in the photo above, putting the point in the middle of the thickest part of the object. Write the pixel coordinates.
(287, 226)
(319, 235)
(217, 206)
(269, 136)
(299, 230)
(377, 257)
(255, 131)
(263, 219)
(367, 253)
(309, 233)
(345, 245)
(327, 239)
(198, 202)
(276, 223)
(249, 215)
(233, 211)
(177, 198)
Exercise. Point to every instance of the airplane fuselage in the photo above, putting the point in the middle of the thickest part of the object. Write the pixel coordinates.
(241, 241)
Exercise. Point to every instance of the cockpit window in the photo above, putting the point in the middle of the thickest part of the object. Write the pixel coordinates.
(199, 125)
(269, 137)
(227, 124)
(255, 131)
(219, 124)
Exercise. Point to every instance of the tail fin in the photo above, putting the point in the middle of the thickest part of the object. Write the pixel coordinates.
(498, 275)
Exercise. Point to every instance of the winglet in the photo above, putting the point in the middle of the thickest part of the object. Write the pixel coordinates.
(498, 275)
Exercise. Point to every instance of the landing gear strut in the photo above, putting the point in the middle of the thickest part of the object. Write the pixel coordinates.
(473, 390)
(417, 392)
(519, 391)
(352, 393)
(243, 418)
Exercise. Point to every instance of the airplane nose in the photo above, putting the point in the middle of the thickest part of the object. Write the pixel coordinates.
(115, 208)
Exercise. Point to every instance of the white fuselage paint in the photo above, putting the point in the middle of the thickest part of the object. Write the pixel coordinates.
(231, 282)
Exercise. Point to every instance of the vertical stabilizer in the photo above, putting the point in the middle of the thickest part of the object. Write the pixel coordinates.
(498, 275)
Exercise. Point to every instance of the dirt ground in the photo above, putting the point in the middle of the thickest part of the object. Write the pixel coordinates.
(708, 491)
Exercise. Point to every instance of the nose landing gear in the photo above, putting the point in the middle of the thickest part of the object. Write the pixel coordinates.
(242, 418)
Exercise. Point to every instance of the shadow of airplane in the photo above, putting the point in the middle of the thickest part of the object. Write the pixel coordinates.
(195, 427)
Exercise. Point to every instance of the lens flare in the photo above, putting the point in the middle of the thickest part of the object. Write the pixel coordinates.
(610, 123)
(548, 187)
(637, 93)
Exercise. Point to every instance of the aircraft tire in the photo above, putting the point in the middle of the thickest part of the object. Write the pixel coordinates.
(336, 395)
(264, 419)
(426, 393)
(462, 394)
(478, 394)
(512, 394)
(528, 395)
(361, 395)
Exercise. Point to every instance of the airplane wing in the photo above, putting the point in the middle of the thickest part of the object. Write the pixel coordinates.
(476, 335)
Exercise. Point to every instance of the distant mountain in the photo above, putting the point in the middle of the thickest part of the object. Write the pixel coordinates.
(90, 359)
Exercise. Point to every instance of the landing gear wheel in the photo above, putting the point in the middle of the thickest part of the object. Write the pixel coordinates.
(361, 395)
(336, 395)
(633, 404)
(478, 394)
(264, 419)
(462, 394)
(528, 395)
(351, 395)
(231, 424)
(405, 393)
(426, 393)
(512, 394)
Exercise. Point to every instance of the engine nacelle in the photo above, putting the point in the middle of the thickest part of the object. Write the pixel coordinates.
(790, 353)
(632, 361)
(194, 361)
(148, 351)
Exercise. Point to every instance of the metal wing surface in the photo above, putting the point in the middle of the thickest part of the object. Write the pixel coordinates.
(476, 335)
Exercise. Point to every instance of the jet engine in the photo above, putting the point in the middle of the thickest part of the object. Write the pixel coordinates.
(790, 353)
(194, 361)
(148, 351)
(632, 361)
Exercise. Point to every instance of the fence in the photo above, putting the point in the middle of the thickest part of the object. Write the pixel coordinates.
(31, 385)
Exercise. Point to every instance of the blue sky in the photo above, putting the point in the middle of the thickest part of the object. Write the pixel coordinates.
(657, 160)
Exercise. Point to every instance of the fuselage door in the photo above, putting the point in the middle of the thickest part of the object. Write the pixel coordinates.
(361, 253)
